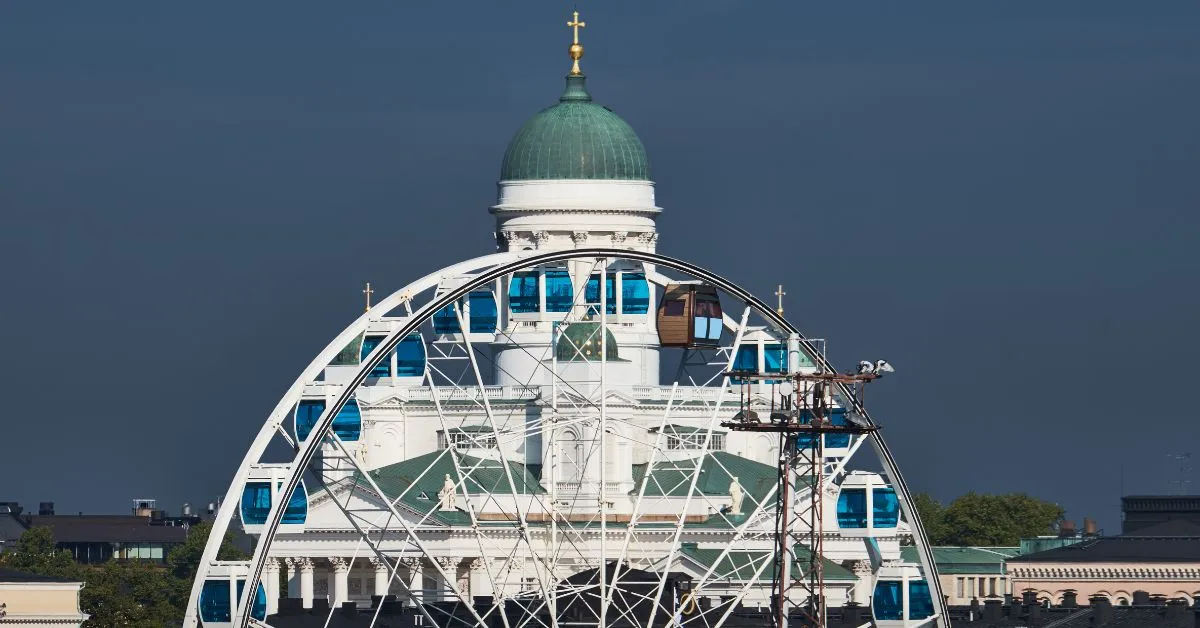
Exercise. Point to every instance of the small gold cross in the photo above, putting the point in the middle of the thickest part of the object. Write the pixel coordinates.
(780, 294)
(576, 49)
(368, 291)
(576, 25)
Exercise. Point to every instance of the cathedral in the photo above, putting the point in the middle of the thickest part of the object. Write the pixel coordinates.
(522, 430)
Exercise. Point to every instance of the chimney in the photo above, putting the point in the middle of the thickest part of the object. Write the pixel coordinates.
(1029, 597)
(852, 614)
(1101, 610)
(46, 509)
(1070, 599)
(993, 610)
(1066, 529)
(1089, 526)
(1140, 598)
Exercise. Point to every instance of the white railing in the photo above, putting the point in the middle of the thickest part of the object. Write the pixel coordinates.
(447, 393)
(683, 393)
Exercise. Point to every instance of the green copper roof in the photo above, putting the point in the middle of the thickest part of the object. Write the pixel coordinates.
(671, 478)
(400, 480)
(741, 565)
(581, 342)
(964, 560)
(575, 139)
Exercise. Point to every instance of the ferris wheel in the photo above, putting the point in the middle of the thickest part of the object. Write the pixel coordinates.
(535, 439)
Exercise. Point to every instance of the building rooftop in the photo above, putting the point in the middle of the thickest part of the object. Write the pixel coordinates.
(8, 575)
(965, 560)
(106, 529)
(1168, 542)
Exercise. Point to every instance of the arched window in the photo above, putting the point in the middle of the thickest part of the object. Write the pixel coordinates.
(384, 368)
(523, 292)
(888, 600)
(481, 312)
(920, 600)
(852, 508)
(559, 293)
(591, 294)
(347, 424)
(885, 507)
(256, 504)
(635, 293)
(215, 606)
(410, 357)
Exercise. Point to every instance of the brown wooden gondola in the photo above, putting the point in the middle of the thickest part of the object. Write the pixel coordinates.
(690, 316)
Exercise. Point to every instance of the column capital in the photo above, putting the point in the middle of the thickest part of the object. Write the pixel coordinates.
(476, 564)
(445, 562)
(412, 562)
(272, 564)
(303, 563)
(379, 563)
(340, 564)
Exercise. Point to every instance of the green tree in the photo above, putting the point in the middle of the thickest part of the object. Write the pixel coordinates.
(125, 594)
(975, 519)
(130, 593)
(184, 560)
(36, 553)
(933, 517)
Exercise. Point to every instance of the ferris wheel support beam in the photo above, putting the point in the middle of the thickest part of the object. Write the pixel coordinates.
(500, 265)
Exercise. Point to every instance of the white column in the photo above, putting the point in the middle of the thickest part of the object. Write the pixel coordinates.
(271, 585)
(449, 583)
(306, 581)
(341, 580)
(293, 568)
(481, 583)
(862, 589)
(412, 564)
(381, 576)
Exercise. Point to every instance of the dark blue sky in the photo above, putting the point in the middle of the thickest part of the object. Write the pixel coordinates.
(999, 198)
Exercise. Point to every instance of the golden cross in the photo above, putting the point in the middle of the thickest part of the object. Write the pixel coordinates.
(576, 49)
(780, 294)
(576, 24)
(368, 291)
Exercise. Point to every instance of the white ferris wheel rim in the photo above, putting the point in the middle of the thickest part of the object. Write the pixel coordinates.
(486, 269)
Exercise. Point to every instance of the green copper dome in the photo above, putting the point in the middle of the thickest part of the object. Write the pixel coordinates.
(575, 139)
(581, 342)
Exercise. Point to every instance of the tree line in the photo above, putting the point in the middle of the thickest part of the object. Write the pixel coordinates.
(124, 593)
(976, 519)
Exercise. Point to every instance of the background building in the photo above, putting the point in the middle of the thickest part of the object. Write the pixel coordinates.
(1157, 554)
(39, 601)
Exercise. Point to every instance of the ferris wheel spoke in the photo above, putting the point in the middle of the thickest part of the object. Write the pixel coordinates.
(695, 476)
(380, 554)
(462, 482)
(411, 533)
